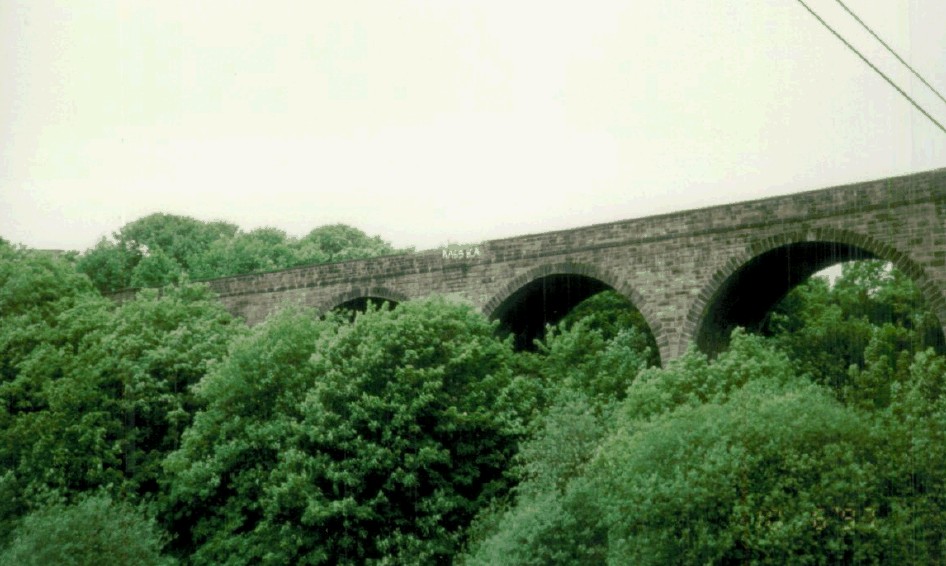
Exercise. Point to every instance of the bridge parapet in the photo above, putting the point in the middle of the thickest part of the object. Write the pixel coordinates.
(673, 266)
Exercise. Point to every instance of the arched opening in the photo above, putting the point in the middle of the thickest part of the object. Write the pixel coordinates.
(356, 305)
(548, 299)
(746, 297)
(359, 299)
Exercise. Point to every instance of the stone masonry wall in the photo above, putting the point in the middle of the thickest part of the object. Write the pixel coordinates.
(669, 265)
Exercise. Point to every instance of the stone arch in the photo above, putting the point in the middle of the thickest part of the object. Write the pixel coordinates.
(355, 294)
(495, 307)
(840, 245)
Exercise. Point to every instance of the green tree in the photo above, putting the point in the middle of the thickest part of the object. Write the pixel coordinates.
(731, 460)
(182, 238)
(92, 531)
(157, 249)
(580, 372)
(35, 290)
(151, 251)
(596, 350)
(610, 313)
(581, 358)
(339, 242)
(46, 308)
(774, 474)
(827, 328)
(214, 482)
(263, 249)
(93, 394)
(150, 354)
(913, 448)
(554, 516)
(370, 441)
(38, 284)
(156, 269)
(109, 264)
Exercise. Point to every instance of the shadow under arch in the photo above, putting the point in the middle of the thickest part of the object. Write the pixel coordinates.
(745, 289)
(357, 300)
(545, 294)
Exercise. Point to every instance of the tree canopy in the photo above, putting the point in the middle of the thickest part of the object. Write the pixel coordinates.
(93, 530)
(326, 441)
(93, 394)
(162, 429)
(820, 443)
(158, 249)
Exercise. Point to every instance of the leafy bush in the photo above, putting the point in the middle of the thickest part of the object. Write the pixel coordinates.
(96, 530)
(733, 460)
(324, 442)
(94, 394)
(156, 250)
(774, 474)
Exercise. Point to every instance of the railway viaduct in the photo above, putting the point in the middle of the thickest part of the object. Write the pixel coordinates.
(694, 275)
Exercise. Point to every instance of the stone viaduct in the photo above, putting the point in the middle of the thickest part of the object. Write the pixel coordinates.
(693, 275)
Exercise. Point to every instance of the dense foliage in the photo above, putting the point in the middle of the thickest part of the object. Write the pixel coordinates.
(158, 249)
(830, 331)
(94, 530)
(161, 429)
(775, 452)
(93, 394)
(370, 441)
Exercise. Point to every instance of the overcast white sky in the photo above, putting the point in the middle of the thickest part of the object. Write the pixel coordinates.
(435, 122)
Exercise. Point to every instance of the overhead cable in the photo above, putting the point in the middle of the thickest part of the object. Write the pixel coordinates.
(872, 66)
(890, 49)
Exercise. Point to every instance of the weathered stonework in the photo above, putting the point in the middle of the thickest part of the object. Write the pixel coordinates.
(673, 266)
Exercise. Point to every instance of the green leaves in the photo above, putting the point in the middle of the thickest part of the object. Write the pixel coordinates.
(741, 478)
(156, 250)
(338, 242)
(828, 329)
(92, 394)
(820, 444)
(381, 436)
(156, 269)
(151, 251)
(373, 440)
(582, 370)
(93, 530)
(263, 249)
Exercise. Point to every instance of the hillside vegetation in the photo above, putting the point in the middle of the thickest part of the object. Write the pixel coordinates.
(158, 249)
(163, 430)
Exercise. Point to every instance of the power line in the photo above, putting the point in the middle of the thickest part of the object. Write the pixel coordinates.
(890, 49)
(872, 66)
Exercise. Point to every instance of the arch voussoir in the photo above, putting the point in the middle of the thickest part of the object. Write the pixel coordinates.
(499, 302)
(355, 293)
(709, 294)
